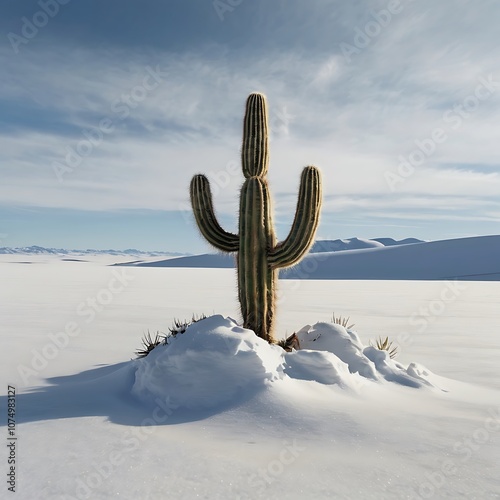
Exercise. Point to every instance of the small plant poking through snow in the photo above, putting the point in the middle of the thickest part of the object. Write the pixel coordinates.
(181, 326)
(342, 321)
(149, 343)
(290, 344)
(178, 327)
(385, 345)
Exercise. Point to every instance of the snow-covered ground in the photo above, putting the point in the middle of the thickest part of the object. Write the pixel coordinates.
(91, 423)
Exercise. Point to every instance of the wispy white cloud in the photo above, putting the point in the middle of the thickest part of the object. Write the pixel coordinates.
(354, 119)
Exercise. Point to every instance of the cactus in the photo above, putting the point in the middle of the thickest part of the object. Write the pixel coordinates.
(259, 256)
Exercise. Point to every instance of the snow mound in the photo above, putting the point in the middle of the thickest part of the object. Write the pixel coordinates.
(345, 344)
(317, 366)
(216, 362)
(213, 362)
(369, 362)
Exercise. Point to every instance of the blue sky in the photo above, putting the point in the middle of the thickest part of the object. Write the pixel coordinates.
(108, 108)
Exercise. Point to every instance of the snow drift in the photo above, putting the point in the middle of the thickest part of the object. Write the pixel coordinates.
(465, 259)
(216, 361)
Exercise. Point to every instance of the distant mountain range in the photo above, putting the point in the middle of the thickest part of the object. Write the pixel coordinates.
(319, 246)
(473, 258)
(319, 250)
(37, 250)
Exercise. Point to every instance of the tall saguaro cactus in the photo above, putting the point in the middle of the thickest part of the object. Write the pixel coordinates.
(259, 256)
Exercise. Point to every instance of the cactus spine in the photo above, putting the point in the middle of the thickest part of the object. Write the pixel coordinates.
(259, 256)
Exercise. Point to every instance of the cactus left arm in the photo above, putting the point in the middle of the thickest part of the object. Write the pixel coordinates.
(201, 200)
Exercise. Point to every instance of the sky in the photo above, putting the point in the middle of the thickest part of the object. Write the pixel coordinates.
(108, 108)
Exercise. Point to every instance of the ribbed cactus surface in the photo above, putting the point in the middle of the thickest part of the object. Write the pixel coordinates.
(259, 256)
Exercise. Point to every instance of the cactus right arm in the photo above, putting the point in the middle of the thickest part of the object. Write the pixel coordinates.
(201, 201)
(306, 221)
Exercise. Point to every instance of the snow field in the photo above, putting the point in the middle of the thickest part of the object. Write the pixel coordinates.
(85, 434)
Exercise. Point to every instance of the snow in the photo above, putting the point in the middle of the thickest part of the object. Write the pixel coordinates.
(319, 246)
(345, 344)
(216, 261)
(473, 259)
(463, 258)
(244, 419)
(38, 250)
(214, 362)
(358, 243)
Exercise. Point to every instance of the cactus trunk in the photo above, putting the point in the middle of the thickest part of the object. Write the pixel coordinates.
(256, 279)
(259, 256)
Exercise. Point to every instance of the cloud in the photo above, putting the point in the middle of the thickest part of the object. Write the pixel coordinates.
(354, 119)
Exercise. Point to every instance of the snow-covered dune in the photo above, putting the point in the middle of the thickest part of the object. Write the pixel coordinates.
(209, 260)
(358, 243)
(464, 258)
(475, 258)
